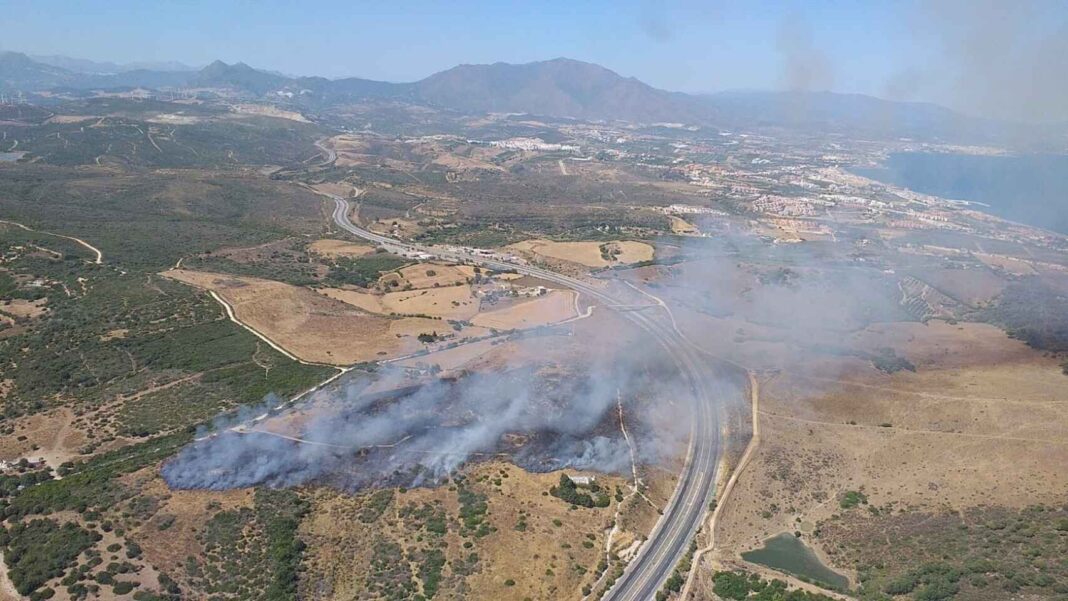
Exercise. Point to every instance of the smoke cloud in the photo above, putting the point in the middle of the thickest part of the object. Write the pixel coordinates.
(1000, 59)
(540, 418)
(805, 67)
(562, 411)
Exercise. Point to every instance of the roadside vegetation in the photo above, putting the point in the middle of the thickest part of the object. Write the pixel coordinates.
(742, 586)
(568, 492)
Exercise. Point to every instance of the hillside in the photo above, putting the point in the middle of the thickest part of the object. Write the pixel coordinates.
(558, 88)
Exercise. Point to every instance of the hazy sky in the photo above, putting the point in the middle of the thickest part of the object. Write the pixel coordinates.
(986, 56)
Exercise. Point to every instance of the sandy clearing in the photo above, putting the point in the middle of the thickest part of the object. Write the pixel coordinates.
(269, 111)
(7, 588)
(461, 163)
(1010, 265)
(681, 226)
(313, 327)
(587, 253)
(553, 307)
(72, 118)
(24, 308)
(42, 430)
(174, 119)
(342, 189)
(334, 249)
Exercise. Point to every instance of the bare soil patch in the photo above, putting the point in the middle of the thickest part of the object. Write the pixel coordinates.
(25, 308)
(339, 248)
(191, 510)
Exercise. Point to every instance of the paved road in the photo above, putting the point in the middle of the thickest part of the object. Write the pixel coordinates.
(671, 536)
(331, 154)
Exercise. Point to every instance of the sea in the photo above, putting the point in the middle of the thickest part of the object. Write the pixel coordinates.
(1030, 189)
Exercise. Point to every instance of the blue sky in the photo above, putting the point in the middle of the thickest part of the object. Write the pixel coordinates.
(902, 49)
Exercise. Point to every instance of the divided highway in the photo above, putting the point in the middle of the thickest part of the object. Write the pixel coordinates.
(671, 536)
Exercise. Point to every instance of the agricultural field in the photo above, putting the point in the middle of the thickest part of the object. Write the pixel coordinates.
(590, 254)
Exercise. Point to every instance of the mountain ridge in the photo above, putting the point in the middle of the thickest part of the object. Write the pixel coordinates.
(557, 88)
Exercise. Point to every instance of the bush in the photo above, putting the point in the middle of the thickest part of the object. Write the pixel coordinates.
(568, 492)
(41, 550)
(852, 498)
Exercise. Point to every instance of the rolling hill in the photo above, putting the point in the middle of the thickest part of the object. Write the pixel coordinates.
(558, 88)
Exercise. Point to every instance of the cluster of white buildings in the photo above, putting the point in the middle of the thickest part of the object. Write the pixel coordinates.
(532, 144)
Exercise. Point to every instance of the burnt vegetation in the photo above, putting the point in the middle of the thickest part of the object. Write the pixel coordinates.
(1034, 312)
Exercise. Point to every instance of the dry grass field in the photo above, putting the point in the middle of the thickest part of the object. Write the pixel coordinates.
(536, 547)
(429, 275)
(311, 326)
(334, 249)
(982, 422)
(586, 253)
(452, 302)
(557, 305)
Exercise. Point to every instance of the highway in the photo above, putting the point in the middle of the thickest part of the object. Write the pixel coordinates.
(671, 536)
(673, 532)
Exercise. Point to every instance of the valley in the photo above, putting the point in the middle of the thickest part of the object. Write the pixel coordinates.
(271, 337)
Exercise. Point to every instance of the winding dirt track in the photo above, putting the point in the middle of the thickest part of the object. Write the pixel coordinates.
(99, 255)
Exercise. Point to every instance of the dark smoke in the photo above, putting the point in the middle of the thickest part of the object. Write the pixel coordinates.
(539, 419)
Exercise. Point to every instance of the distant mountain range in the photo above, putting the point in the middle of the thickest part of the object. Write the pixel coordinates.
(559, 88)
(81, 65)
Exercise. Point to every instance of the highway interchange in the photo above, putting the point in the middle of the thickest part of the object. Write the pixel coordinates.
(683, 515)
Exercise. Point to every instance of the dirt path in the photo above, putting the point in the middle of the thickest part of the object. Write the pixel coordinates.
(95, 250)
(7, 588)
(913, 430)
(924, 395)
